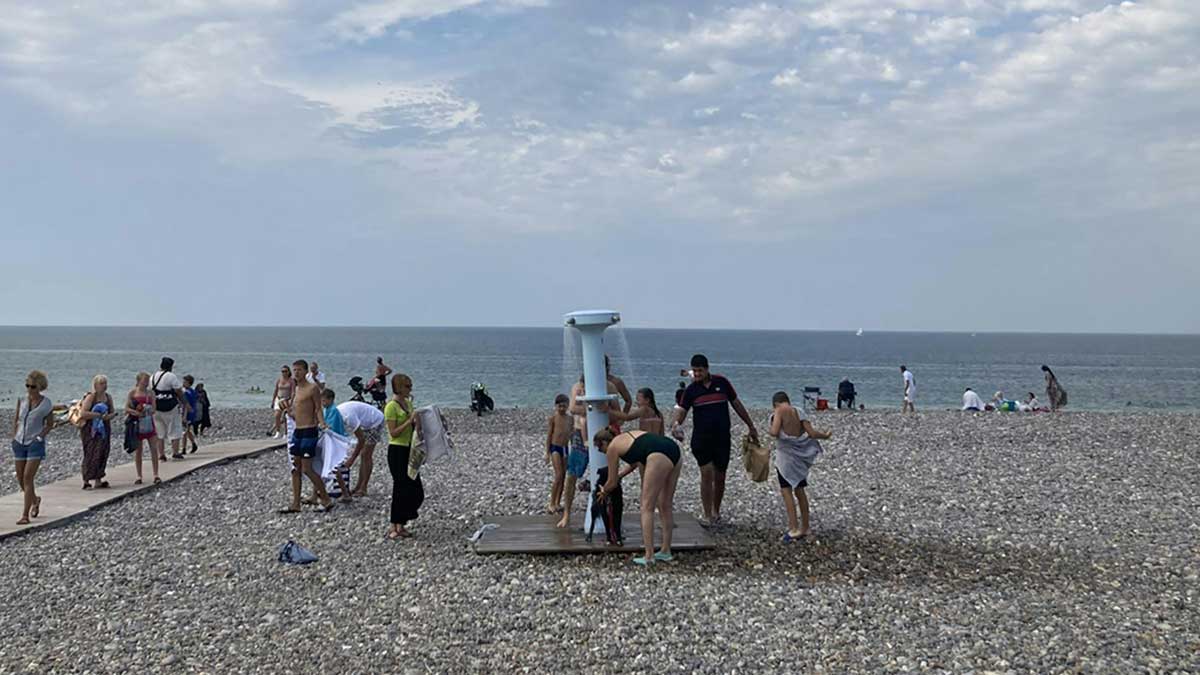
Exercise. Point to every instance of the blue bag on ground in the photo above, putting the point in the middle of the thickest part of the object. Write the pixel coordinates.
(295, 554)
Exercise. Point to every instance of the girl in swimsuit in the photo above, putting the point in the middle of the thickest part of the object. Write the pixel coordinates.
(660, 457)
(281, 399)
(139, 404)
(645, 413)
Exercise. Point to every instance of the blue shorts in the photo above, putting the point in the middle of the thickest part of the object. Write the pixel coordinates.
(577, 459)
(33, 450)
(304, 443)
(558, 450)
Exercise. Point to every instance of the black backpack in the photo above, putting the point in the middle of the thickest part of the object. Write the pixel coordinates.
(164, 401)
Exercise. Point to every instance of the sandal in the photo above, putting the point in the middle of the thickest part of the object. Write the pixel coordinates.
(329, 507)
(157, 480)
(137, 482)
(37, 508)
(87, 486)
(643, 562)
(288, 510)
(789, 538)
(23, 521)
(103, 484)
(664, 557)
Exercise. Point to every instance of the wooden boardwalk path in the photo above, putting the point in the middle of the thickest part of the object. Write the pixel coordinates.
(64, 501)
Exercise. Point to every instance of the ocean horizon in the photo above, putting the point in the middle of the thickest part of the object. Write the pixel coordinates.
(525, 366)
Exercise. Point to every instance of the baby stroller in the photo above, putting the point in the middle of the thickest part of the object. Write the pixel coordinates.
(480, 400)
(375, 389)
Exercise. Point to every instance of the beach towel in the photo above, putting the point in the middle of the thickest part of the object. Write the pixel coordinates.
(435, 442)
(795, 455)
(98, 427)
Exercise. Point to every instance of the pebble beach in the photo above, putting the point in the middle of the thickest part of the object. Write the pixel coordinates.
(942, 542)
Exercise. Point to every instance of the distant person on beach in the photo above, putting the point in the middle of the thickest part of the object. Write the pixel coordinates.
(285, 388)
(846, 394)
(307, 412)
(1032, 404)
(796, 451)
(191, 417)
(316, 376)
(32, 423)
(910, 390)
(660, 458)
(711, 396)
(577, 455)
(139, 407)
(971, 401)
(168, 424)
(558, 437)
(1055, 394)
(205, 408)
(679, 393)
(382, 370)
(407, 493)
(97, 411)
(365, 422)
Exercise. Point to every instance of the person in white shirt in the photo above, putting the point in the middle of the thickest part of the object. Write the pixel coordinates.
(316, 376)
(972, 402)
(910, 390)
(167, 390)
(365, 422)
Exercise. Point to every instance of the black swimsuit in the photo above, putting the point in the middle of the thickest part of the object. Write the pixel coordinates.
(647, 444)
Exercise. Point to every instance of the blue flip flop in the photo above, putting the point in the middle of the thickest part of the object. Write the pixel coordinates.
(789, 539)
(664, 557)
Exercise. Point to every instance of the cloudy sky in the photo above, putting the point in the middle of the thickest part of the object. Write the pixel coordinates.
(890, 164)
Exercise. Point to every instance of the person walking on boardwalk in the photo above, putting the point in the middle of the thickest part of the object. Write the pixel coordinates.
(711, 396)
(168, 422)
(910, 390)
(139, 406)
(31, 424)
(96, 411)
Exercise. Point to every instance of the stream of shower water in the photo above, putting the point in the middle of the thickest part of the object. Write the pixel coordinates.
(617, 347)
(572, 360)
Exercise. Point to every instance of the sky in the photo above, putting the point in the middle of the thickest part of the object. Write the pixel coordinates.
(969, 165)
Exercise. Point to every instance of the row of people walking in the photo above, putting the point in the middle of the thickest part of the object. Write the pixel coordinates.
(158, 408)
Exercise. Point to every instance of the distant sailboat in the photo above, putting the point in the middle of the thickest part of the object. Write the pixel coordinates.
(859, 333)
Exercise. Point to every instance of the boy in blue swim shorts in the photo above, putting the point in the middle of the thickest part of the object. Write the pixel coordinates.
(558, 435)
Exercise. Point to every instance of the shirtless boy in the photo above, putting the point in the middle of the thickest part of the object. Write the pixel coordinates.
(310, 419)
(558, 436)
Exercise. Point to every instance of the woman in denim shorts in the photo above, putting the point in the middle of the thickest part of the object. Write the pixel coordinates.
(33, 421)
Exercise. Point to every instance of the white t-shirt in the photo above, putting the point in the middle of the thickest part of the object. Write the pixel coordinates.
(320, 379)
(358, 415)
(910, 383)
(165, 381)
(972, 400)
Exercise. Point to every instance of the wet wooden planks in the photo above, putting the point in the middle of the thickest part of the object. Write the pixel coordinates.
(538, 535)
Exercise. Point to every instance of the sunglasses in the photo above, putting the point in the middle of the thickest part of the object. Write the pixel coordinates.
(30, 386)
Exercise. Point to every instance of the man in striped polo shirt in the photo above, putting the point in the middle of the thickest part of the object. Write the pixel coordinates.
(711, 395)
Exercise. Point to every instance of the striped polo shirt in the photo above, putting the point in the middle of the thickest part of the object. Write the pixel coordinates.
(709, 405)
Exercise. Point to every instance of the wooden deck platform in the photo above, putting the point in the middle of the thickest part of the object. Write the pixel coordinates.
(537, 534)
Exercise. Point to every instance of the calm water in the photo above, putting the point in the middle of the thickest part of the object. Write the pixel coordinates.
(525, 367)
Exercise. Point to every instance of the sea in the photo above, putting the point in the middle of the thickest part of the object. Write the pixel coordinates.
(527, 367)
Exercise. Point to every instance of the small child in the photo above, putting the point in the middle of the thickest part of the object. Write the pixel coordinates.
(191, 421)
(796, 450)
(558, 436)
(333, 418)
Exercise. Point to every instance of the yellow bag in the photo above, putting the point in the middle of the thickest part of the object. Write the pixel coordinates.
(756, 459)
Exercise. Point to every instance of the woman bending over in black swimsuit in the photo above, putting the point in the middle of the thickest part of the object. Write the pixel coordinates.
(660, 457)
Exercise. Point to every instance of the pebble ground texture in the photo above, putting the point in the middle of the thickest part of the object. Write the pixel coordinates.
(942, 542)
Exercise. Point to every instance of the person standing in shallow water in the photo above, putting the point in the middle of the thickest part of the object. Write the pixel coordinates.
(407, 493)
(96, 433)
(33, 421)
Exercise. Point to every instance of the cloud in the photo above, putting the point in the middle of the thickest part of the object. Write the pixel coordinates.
(371, 20)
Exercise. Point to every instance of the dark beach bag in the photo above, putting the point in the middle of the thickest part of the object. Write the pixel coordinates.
(131, 434)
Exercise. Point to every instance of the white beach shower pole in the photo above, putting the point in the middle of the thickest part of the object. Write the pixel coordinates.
(591, 325)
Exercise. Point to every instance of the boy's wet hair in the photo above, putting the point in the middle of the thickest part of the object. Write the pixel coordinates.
(188, 379)
(562, 399)
(780, 397)
(328, 394)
